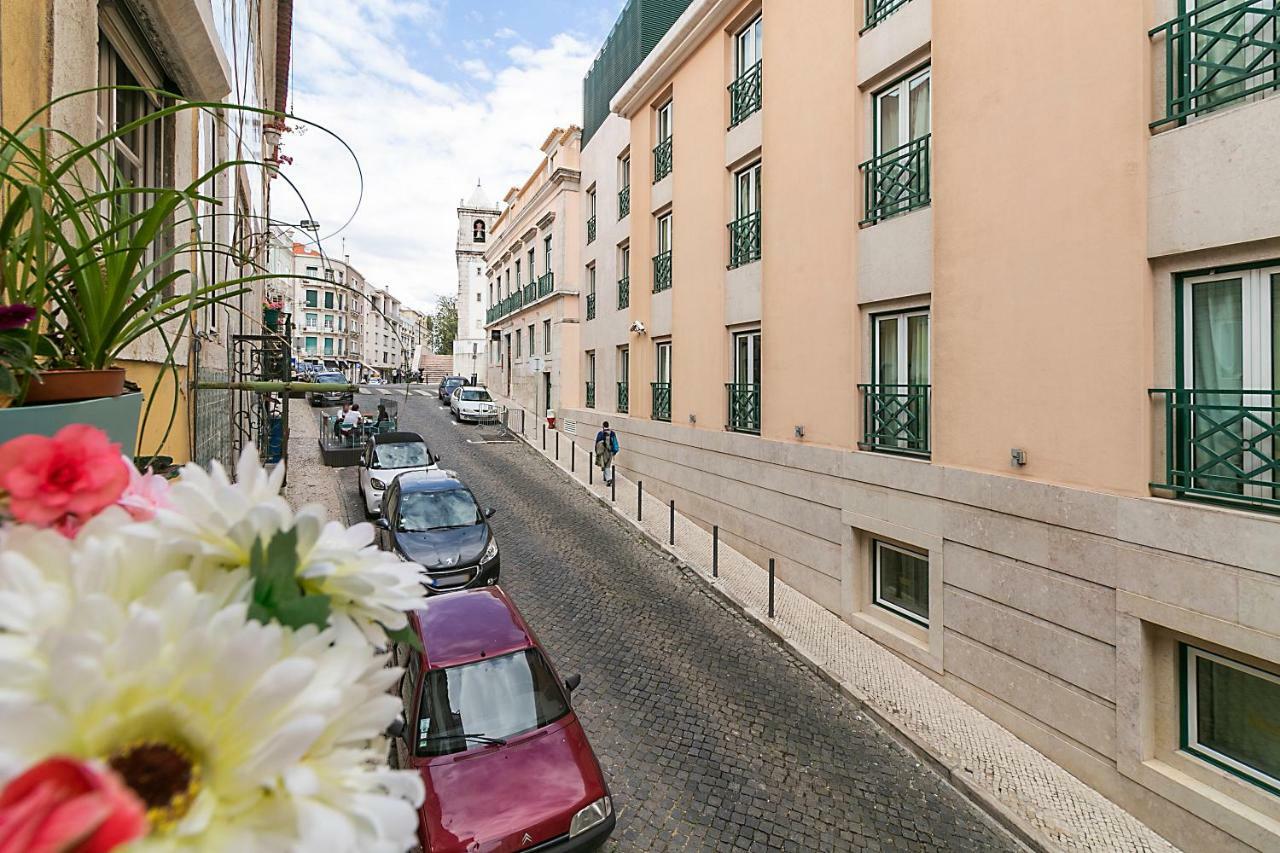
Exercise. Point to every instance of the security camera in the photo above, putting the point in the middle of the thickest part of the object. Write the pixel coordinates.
(637, 327)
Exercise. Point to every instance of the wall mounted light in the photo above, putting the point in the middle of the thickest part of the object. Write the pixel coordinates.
(799, 430)
(693, 419)
(1018, 457)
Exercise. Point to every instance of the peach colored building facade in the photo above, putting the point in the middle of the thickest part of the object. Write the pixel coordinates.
(532, 274)
(902, 287)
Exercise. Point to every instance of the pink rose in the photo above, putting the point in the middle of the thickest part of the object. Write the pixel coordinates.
(67, 806)
(145, 494)
(62, 481)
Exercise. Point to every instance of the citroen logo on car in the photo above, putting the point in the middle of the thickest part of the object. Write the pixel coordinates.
(526, 840)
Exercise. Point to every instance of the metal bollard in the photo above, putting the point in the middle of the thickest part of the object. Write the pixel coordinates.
(613, 487)
(544, 438)
(557, 446)
(715, 551)
(522, 413)
(639, 500)
(591, 473)
(673, 521)
(771, 587)
(573, 457)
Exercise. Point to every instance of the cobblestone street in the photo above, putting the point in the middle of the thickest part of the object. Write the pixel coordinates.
(712, 737)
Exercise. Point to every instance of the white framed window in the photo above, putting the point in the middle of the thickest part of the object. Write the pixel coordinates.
(519, 280)
(591, 203)
(546, 336)
(746, 357)
(749, 47)
(662, 366)
(1231, 713)
(532, 275)
(624, 364)
(624, 172)
(591, 280)
(591, 367)
(903, 112)
(546, 250)
(901, 344)
(665, 115)
(747, 196)
(664, 234)
(900, 581)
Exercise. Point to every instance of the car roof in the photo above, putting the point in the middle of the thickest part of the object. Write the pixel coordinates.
(454, 379)
(429, 481)
(398, 438)
(470, 625)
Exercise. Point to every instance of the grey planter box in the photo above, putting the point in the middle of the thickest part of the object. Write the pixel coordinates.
(117, 416)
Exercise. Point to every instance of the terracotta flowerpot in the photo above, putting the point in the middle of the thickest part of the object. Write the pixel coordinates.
(66, 386)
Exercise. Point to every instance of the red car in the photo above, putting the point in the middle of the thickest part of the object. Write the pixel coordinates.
(489, 725)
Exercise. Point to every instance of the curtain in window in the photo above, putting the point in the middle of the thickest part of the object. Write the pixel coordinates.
(920, 108)
(1217, 365)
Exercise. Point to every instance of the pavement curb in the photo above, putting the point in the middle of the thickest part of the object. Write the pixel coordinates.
(953, 773)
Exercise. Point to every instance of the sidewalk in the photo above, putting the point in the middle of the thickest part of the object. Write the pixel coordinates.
(1039, 801)
(307, 480)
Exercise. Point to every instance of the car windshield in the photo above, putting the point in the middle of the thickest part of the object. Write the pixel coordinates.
(477, 396)
(409, 455)
(332, 377)
(497, 698)
(423, 511)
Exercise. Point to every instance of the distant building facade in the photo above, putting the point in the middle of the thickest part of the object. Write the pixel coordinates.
(476, 217)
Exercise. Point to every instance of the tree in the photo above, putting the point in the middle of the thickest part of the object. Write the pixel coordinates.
(444, 325)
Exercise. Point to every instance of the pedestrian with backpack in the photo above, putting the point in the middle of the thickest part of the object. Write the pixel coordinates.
(606, 448)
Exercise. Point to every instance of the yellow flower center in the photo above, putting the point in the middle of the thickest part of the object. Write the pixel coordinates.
(164, 776)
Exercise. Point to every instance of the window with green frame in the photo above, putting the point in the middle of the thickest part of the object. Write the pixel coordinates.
(1230, 716)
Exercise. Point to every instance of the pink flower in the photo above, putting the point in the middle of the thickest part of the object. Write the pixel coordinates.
(62, 481)
(67, 806)
(145, 494)
(15, 316)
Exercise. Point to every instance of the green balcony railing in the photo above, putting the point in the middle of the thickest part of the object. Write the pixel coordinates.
(896, 181)
(624, 292)
(895, 418)
(744, 407)
(1219, 53)
(591, 395)
(624, 201)
(745, 94)
(662, 272)
(530, 293)
(744, 240)
(878, 10)
(661, 401)
(546, 284)
(662, 159)
(1222, 445)
(591, 230)
(591, 306)
(623, 398)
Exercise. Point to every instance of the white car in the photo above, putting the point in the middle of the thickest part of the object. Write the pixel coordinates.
(472, 403)
(387, 456)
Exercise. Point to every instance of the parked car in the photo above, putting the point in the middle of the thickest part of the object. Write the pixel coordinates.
(387, 456)
(431, 518)
(472, 403)
(491, 729)
(376, 380)
(330, 398)
(447, 385)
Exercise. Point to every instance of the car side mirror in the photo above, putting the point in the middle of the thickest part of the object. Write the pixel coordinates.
(435, 460)
(490, 512)
(382, 523)
(571, 684)
(397, 729)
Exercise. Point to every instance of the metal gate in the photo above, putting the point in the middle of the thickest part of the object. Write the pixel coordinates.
(261, 418)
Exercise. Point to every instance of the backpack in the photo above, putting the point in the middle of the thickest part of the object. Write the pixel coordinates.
(613, 442)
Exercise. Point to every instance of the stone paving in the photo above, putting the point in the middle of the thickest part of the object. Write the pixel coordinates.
(1047, 806)
(712, 736)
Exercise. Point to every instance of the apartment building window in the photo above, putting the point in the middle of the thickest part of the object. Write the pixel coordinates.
(546, 246)
(532, 276)
(532, 349)
(591, 292)
(745, 92)
(662, 260)
(1223, 419)
(546, 336)
(328, 346)
(662, 152)
(900, 581)
(744, 230)
(328, 274)
(878, 10)
(313, 298)
(624, 279)
(744, 390)
(591, 215)
(662, 383)
(519, 280)
(518, 343)
(896, 403)
(328, 321)
(897, 179)
(311, 345)
(1230, 713)
(624, 377)
(624, 181)
(313, 271)
(591, 380)
(328, 300)
(312, 320)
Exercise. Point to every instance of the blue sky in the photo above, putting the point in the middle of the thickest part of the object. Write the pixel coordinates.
(430, 95)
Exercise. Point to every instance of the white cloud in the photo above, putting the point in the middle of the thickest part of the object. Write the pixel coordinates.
(506, 33)
(422, 142)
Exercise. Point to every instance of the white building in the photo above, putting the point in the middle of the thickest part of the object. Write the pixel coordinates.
(324, 302)
(476, 216)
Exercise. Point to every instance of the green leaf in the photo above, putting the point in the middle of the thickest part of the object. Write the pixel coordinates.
(277, 595)
(405, 635)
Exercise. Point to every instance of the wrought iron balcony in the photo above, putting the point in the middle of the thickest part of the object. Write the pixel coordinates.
(1219, 53)
(662, 160)
(744, 407)
(624, 201)
(546, 284)
(895, 418)
(1222, 446)
(591, 306)
(591, 230)
(591, 395)
(624, 292)
(896, 181)
(744, 240)
(530, 292)
(745, 94)
(623, 398)
(878, 10)
(661, 401)
(662, 272)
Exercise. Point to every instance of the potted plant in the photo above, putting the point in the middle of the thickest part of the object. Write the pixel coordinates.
(271, 314)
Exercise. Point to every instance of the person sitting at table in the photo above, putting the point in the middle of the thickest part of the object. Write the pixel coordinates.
(383, 417)
(351, 420)
(337, 420)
